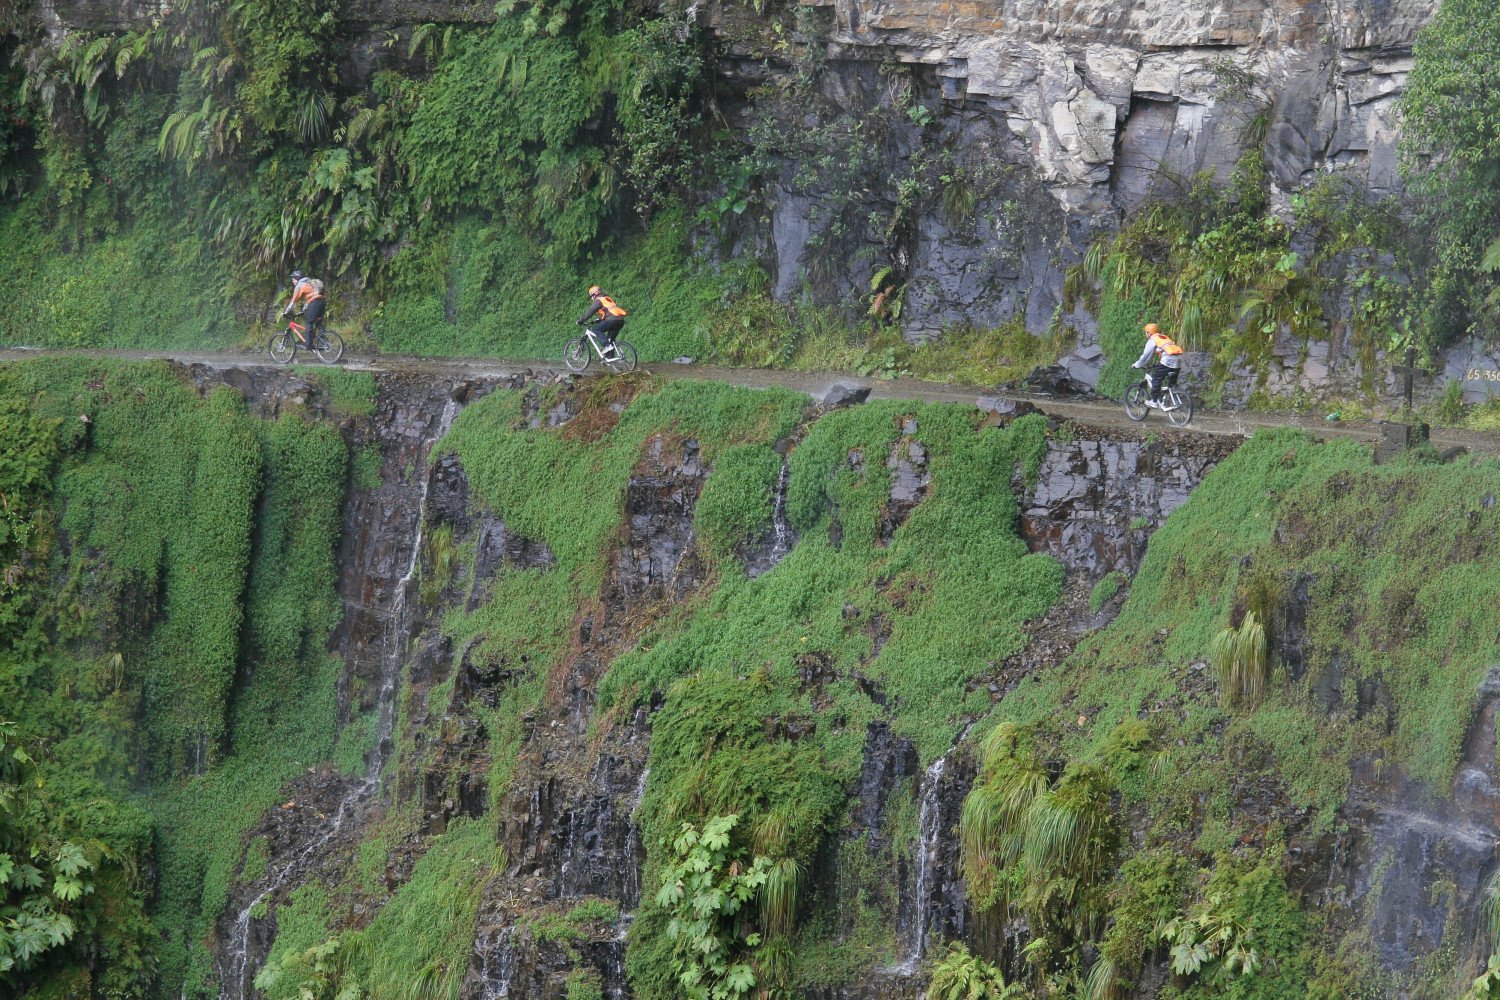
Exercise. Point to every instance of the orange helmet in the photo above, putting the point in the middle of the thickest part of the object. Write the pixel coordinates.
(1152, 329)
(595, 289)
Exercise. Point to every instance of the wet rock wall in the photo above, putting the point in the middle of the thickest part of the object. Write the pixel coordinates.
(1099, 496)
(1407, 861)
(1063, 119)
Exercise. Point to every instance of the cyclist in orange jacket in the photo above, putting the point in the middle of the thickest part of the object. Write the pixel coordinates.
(1168, 366)
(310, 291)
(611, 319)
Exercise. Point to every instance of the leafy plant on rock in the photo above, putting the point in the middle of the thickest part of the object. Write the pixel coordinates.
(707, 889)
(1038, 849)
(962, 975)
(1487, 986)
(315, 973)
(40, 877)
(1211, 941)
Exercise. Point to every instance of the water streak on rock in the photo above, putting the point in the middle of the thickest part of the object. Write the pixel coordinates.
(237, 975)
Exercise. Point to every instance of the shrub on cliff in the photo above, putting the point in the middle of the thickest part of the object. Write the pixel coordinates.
(1451, 152)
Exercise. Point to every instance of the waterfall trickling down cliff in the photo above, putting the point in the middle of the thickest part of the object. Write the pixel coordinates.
(378, 563)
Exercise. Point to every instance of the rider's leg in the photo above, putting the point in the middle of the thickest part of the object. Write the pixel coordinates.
(607, 330)
(1169, 378)
(1157, 376)
(1150, 387)
(602, 342)
(313, 317)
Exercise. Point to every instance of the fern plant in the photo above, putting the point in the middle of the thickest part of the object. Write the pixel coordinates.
(962, 975)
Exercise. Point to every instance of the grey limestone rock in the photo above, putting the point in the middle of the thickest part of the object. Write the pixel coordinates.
(842, 394)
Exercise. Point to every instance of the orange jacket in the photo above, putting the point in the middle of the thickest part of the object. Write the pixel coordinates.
(307, 290)
(603, 305)
(1171, 354)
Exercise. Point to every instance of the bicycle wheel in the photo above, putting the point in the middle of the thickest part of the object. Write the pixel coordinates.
(624, 358)
(577, 355)
(1135, 402)
(329, 346)
(283, 347)
(1182, 413)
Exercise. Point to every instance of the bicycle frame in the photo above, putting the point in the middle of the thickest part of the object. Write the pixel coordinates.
(594, 342)
(1168, 392)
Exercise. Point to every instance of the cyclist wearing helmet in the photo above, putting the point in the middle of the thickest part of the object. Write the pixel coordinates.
(611, 318)
(310, 292)
(1167, 367)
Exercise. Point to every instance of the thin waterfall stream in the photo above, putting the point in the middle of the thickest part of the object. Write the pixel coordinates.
(928, 829)
(237, 983)
(782, 538)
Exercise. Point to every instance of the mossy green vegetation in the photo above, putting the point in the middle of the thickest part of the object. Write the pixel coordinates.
(1449, 153)
(1109, 809)
(848, 611)
(1386, 567)
(195, 534)
(868, 600)
(184, 165)
(1216, 269)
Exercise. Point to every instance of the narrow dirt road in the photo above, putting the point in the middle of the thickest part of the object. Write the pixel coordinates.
(1098, 412)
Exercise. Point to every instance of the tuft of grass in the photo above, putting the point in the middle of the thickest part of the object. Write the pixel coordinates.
(350, 394)
(1242, 662)
(418, 945)
(1105, 590)
(366, 467)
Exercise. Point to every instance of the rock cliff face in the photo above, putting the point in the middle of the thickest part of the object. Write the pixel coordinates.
(1095, 107)
(1404, 865)
(1116, 101)
(1097, 499)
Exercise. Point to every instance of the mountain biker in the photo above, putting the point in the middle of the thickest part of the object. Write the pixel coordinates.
(309, 291)
(1167, 367)
(612, 318)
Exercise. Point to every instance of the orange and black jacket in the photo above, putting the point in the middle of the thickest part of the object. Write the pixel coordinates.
(307, 290)
(604, 307)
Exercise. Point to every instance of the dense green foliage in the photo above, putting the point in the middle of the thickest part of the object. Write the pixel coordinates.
(1216, 269)
(188, 163)
(729, 660)
(1452, 160)
(708, 890)
(1039, 848)
(961, 975)
(1107, 816)
(39, 875)
(198, 540)
(1389, 607)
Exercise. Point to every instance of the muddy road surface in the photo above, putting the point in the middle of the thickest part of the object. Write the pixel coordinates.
(1093, 411)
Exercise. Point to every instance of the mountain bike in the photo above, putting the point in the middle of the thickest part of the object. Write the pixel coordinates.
(327, 345)
(577, 356)
(1176, 402)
